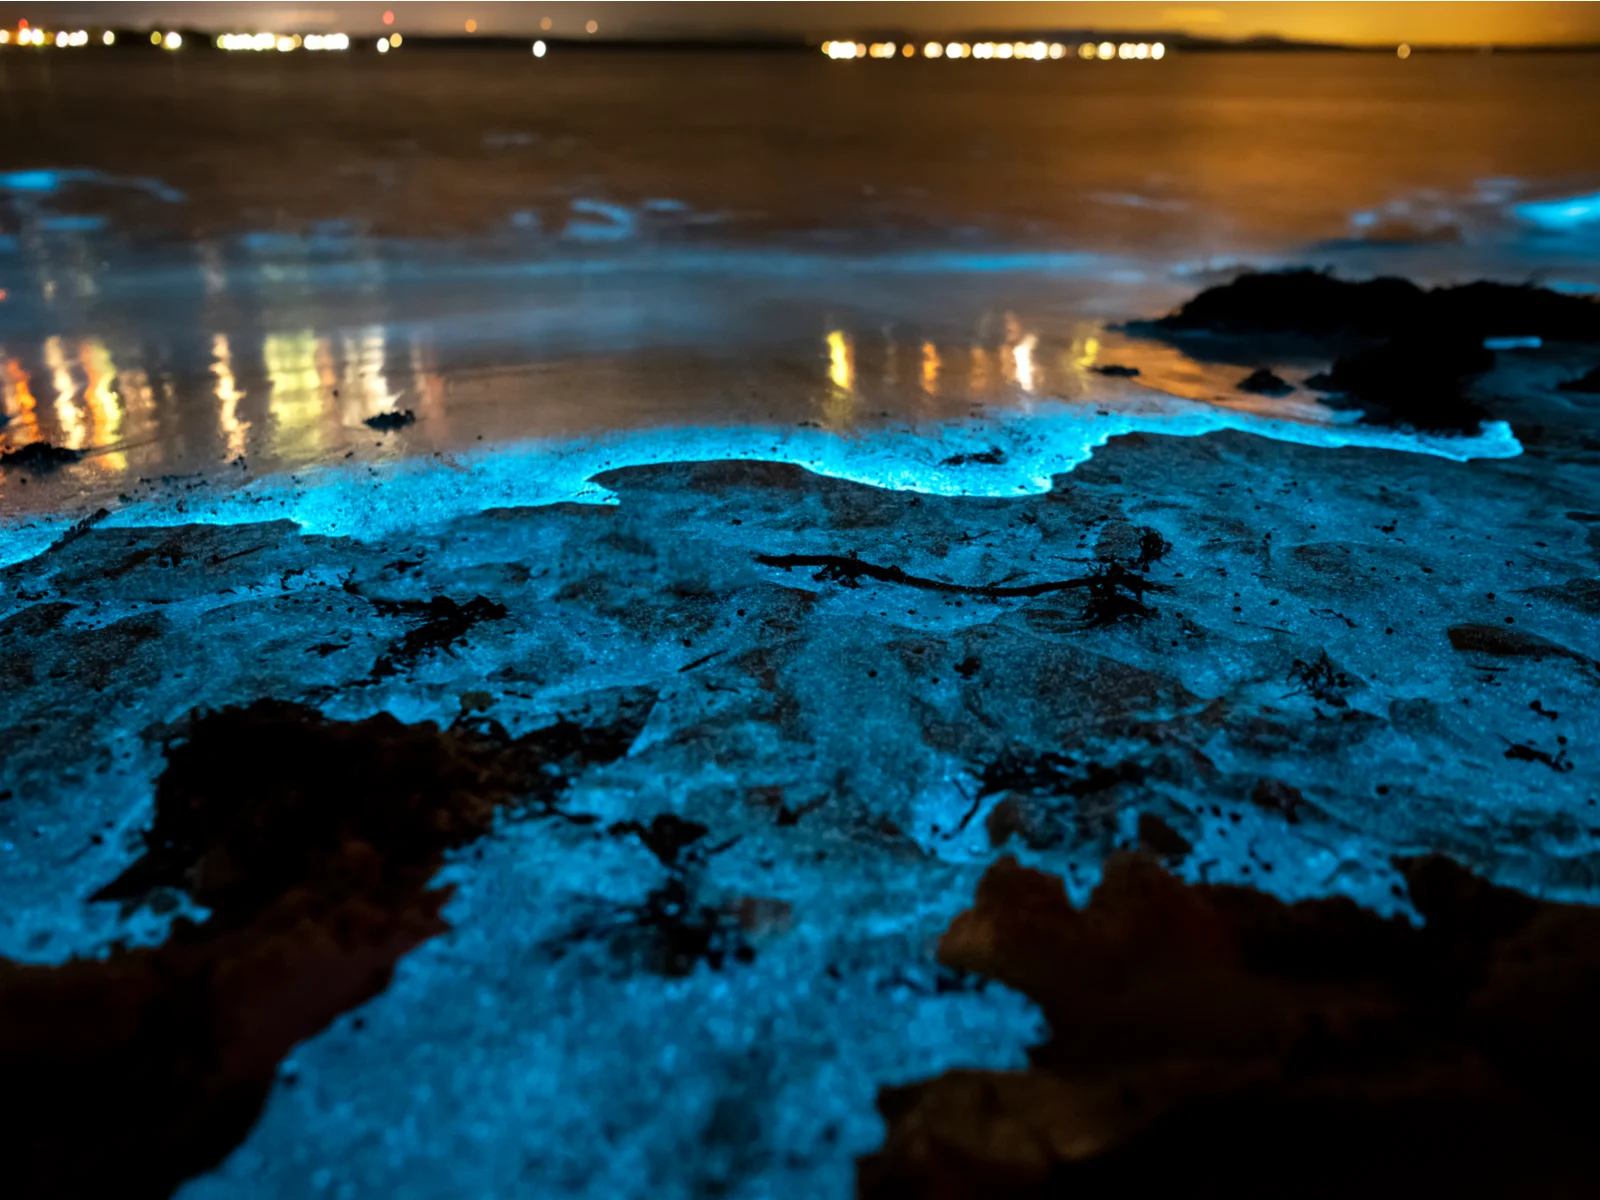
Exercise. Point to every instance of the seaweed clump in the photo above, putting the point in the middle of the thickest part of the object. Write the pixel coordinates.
(312, 843)
(1215, 1041)
(1320, 679)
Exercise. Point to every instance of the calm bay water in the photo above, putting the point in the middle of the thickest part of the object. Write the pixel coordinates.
(212, 257)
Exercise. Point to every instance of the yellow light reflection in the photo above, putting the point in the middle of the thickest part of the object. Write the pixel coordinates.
(234, 431)
(74, 430)
(105, 406)
(1022, 356)
(23, 423)
(364, 390)
(978, 382)
(930, 368)
(838, 406)
(841, 361)
(296, 405)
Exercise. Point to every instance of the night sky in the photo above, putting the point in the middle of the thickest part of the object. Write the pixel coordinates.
(1454, 23)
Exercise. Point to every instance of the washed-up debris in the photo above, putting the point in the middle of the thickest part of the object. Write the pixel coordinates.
(444, 623)
(1320, 679)
(1115, 591)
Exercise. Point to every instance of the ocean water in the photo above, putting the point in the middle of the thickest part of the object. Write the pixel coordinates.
(219, 266)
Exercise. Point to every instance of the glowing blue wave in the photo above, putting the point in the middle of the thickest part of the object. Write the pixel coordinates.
(368, 502)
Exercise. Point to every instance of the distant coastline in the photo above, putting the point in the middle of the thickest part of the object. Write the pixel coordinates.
(138, 41)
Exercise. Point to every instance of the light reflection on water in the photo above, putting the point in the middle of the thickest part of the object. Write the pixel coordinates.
(299, 397)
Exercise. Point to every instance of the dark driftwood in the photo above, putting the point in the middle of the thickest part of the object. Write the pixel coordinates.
(838, 568)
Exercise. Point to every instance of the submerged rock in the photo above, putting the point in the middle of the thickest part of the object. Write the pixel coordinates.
(1218, 1040)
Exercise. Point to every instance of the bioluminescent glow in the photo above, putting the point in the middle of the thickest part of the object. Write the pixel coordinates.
(1052, 439)
(44, 182)
(1560, 216)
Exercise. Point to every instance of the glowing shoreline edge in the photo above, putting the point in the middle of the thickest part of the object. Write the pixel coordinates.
(371, 501)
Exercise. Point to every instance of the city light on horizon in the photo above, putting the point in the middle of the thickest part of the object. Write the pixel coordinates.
(1380, 27)
(1037, 51)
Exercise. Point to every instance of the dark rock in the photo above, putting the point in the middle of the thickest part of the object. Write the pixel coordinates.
(1313, 303)
(390, 421)
(667, 835)
(39, 456)
(1215, 1041)
(1275, 796)
(1161, 839)
(1115, 370)
(1016, 817)
(1589, 382)
(1417, 380)
(1264, 383)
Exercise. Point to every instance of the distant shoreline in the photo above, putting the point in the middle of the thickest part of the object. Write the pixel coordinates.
(137, 41)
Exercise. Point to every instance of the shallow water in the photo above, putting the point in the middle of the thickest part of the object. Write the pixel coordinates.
(254, 256)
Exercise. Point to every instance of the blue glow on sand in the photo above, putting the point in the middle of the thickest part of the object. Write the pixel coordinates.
(1050, 440)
